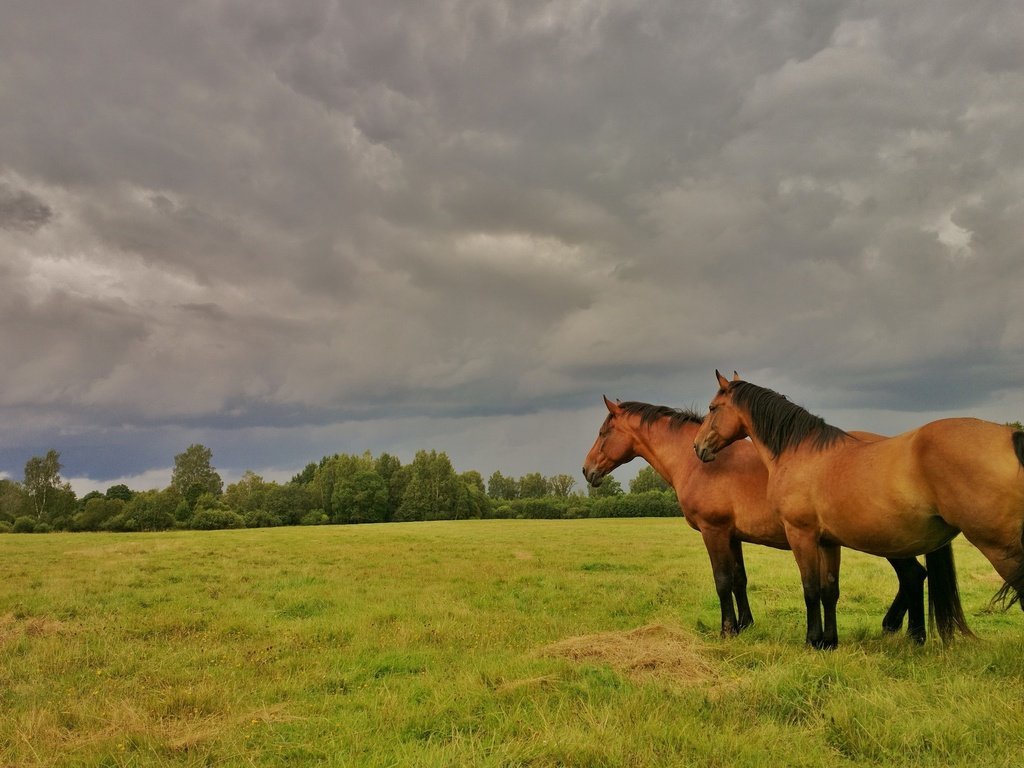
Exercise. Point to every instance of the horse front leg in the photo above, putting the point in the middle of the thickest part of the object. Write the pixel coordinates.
(723, 567)
(804, 544)
(830, 556)
(909, 599)
(739, 585)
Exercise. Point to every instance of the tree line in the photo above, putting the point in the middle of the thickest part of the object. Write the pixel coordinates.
(339, 489)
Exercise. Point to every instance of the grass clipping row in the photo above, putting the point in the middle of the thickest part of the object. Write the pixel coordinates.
(652, 651)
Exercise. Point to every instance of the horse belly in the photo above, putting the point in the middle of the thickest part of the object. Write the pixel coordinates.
(891, 533)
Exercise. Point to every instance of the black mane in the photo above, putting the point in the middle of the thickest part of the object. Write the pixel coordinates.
(651, 413)
(780, 424)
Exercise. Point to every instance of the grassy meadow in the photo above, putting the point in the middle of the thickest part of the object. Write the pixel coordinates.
(475, 643)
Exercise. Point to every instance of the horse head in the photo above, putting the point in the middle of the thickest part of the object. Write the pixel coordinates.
(723, 425)
(612, 448)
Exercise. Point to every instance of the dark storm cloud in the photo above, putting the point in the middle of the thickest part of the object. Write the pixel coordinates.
(391, 222)
(20, 210)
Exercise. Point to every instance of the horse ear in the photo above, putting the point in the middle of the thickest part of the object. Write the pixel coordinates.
(735, 376)
(612, 407)
(722, 381)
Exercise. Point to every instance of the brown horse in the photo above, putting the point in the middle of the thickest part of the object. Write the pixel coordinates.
(898, 497)
(726, 502)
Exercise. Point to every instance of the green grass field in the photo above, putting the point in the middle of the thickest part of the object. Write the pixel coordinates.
(491, 643)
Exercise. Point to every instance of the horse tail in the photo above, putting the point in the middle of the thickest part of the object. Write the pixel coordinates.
(1012, 590)
(945, 613)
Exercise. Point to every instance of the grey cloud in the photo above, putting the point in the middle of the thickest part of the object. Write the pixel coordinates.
(233, 216)
(21, 210)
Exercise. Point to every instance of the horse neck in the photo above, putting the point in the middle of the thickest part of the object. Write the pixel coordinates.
(768, 458)
(666, 448)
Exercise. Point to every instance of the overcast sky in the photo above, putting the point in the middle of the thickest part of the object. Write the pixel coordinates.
(287, 229)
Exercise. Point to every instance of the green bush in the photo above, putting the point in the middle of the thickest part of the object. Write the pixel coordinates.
(541, 508)
(577, 511)
(648, 504)
(315, 517)
(211, 519)
(24, 524)
(260, 518)
(122, 522)
(6, 527)
(504, 512)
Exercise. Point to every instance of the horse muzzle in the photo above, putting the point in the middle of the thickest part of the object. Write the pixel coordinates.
(593, 476)
(704, 453)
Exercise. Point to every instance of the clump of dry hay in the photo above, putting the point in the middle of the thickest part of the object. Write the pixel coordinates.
(12, 627)
(651, 651)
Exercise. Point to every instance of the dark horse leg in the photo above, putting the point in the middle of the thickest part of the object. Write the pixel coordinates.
(805, 549)
(739, 585)
(830, 556)
(909, 598)
(724, 569)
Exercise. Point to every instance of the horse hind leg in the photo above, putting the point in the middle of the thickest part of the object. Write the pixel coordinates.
(1011, 568)
(909, 599)
(1012, 590)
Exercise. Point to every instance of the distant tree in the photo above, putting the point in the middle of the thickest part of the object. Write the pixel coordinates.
(561, 485)
(48, 493)
(289, 503)
(194, 475)
(472, 501)
(147, 511)
(647, 480)
(14, 500)
(395, 479)
(361, 498)
(474, 479)
(501, 488)
(96, 512)
(334, 470)
(89, 497)
(247, 494)
(608, 487)
(1015, 425)
(306, 475)
(120, 491)
(533, 486)
(433, 489)
(211, 513)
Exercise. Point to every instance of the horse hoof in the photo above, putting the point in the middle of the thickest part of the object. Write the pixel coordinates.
(821, 644)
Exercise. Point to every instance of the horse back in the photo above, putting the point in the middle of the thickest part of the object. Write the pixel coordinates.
(970, 463)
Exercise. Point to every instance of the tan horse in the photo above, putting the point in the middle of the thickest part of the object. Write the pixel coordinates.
(902, 496)
(726, 502)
